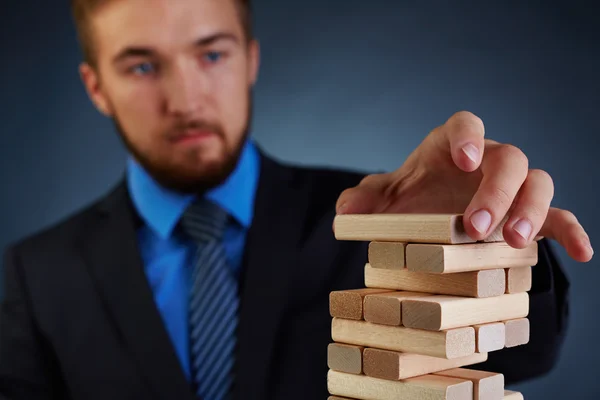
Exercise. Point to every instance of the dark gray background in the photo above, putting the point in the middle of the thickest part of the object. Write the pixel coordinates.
(346, 83)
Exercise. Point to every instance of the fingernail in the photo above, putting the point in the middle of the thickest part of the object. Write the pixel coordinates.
(471, 151)
(342, 208)
(481, 220)
(523, 228)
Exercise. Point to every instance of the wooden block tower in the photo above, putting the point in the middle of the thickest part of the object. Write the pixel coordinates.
(434, 303)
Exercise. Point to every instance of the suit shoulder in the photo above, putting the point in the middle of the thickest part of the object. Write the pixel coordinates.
(336, 179)
(325, 181)
(60, 233)
(322, 186)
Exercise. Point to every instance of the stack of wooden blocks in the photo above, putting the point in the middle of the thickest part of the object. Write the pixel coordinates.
(435, 302)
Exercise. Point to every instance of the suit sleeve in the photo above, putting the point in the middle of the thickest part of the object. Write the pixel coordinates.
(24, 368)
(548, 317)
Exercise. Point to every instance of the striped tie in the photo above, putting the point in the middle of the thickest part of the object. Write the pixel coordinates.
(213, 303)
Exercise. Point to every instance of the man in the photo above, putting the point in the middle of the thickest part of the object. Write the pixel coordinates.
(206, 272)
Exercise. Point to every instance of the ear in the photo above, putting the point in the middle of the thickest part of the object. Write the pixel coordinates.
(91, 81)
(253, 61)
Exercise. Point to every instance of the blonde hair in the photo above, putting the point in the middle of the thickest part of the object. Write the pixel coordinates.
(82, 10)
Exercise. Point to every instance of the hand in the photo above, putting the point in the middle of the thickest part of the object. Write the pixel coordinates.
(456, 170)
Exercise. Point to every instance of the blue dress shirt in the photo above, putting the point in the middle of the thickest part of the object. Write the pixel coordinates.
(168, 258)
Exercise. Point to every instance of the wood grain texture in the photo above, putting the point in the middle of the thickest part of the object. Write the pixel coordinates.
(441, 259)
(430, 387)
(390, 255)
(518, 280)
(490, 337)
(486, 385)
(450, 344)
(414, 228)
(392, 365)
(386, 308)
(517, 332)
(349, 303)
(345, 358)
(446, 312)
(512, 395)
(488, 283)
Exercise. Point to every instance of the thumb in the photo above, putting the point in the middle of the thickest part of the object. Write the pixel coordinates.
(368, 197)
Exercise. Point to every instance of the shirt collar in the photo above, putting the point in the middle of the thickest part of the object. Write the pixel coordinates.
(161, 208)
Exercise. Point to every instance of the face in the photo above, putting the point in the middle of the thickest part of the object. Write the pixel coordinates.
(176, 78)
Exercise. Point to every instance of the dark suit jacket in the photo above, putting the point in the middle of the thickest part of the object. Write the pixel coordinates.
(79, 322)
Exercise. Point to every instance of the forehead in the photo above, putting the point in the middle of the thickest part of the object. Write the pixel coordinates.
(163, 24)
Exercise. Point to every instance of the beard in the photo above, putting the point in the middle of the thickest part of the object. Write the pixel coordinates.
(175, 178)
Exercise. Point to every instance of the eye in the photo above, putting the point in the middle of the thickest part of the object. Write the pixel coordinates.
(213, 56)
(142, 68)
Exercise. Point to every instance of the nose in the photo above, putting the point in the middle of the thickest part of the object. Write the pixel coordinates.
(186, 89)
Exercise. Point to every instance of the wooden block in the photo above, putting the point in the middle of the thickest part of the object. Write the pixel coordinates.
(349, 303)
(386, 308)
(430, 387)
(486, 283)
(512, 395)
(388, 255)
(490, 337)
(414, 228)
(442, 259)
(486, 385)
(392, 365)
(517, 332)
(338, 398)
(453, 343)
(446, 312)
(518, 280)
(345, 358)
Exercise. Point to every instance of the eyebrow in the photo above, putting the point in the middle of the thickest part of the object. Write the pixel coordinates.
(149, 52)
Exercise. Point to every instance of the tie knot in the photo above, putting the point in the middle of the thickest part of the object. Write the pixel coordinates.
(204, 221)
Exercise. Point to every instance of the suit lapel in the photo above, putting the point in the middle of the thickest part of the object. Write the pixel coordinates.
(279, 218)
(274, 238)
(111, 252)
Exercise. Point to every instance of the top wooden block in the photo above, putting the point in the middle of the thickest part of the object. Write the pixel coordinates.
(411, 228)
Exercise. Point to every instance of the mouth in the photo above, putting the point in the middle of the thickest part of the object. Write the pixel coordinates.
(189, 136)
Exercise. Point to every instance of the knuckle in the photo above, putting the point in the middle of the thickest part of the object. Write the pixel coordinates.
(501, 196)
(376, 181)
(515, 155)
(540, 174)
(564, 218)
(370, 180)
(543, 176)
(568, 216)
(345, 193)
(536, 211)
